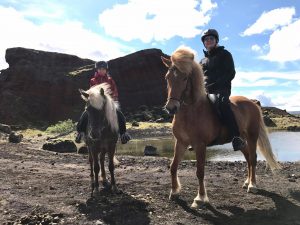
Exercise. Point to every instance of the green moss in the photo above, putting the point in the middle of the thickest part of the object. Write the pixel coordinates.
(62, 127)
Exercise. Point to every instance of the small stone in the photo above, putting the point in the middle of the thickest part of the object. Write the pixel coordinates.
(292, 180)
(98, 222)
(135, 124)
(150, 150)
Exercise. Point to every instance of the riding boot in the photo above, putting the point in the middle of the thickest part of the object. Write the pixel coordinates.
(238, 143)
(124, 136)
(81, 126)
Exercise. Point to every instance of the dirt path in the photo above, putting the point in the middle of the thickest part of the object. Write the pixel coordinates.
(37, 185)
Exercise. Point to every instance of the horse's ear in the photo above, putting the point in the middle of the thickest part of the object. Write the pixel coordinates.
(166, 61)
(84, 95)
(102, 91)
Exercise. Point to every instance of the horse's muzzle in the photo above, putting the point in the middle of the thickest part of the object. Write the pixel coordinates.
(171, 110)
(172, 107)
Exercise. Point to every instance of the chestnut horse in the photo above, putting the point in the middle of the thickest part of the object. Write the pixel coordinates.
(196, 122)
(102, 133)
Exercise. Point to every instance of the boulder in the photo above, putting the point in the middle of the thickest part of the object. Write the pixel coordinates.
(83, 150)
(293, 128)
(15, 138)
(5, 128)
(268, 121)
(61, 146)
(150, 150)
(43, 86)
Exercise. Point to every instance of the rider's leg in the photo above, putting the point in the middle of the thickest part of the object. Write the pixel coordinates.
(125, 137)
(229, 119)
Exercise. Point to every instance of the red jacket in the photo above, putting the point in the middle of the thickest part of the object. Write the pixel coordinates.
(99, 79)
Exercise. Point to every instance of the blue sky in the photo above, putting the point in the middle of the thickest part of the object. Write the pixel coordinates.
(263, 36)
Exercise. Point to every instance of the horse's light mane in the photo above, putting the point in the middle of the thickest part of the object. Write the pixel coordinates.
(183, 59)
(97, 101)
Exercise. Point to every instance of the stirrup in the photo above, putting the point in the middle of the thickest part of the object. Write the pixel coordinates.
(125, 138)
(238, 143)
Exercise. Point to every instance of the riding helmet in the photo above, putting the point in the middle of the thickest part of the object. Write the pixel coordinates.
(101, 64)
(210, 32)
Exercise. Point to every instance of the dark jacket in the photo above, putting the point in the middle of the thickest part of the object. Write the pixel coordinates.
(218, 68)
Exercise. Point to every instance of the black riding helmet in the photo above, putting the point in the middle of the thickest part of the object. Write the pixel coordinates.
(101, 64)
(210, 32)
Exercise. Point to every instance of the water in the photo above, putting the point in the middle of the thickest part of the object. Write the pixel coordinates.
(286, 147)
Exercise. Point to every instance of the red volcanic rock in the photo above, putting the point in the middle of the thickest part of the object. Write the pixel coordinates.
(43, 86)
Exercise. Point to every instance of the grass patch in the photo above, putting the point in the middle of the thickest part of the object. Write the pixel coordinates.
(62, 127)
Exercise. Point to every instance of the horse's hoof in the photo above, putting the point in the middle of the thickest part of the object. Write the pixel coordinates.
(245, 185)
(115, 190)
(252, 189)
(198, 204)
(106, 185)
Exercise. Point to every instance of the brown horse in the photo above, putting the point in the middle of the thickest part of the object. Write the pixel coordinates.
(102, 133)
(196, 123)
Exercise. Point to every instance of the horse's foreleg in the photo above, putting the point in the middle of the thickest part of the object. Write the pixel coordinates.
(96, 170)
(201, 197)
(179, 150)
(111, 167)
(92, 172)
(103, 174)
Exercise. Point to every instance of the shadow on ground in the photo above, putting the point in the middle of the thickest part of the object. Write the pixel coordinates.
(285, 212)
(115, 209)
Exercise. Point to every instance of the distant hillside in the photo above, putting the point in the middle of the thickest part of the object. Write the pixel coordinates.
(295, 112)
(275, 112)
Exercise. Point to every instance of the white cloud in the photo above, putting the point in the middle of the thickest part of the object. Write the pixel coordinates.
(256, 48)
(225, 39)
(271, 20)
(243, 78)
(284, 44)
(156, 20)
(66, 37)
(264, 99)
(284, 98)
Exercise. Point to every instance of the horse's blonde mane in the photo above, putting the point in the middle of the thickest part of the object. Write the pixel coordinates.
(97, 101)
(183, 59)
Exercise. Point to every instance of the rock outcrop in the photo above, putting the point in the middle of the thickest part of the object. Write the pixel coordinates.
(42, 87)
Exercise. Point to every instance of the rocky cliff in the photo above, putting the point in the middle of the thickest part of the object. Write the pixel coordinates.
(43, 86)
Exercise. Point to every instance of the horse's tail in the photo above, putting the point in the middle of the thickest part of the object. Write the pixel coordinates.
(265, 146)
